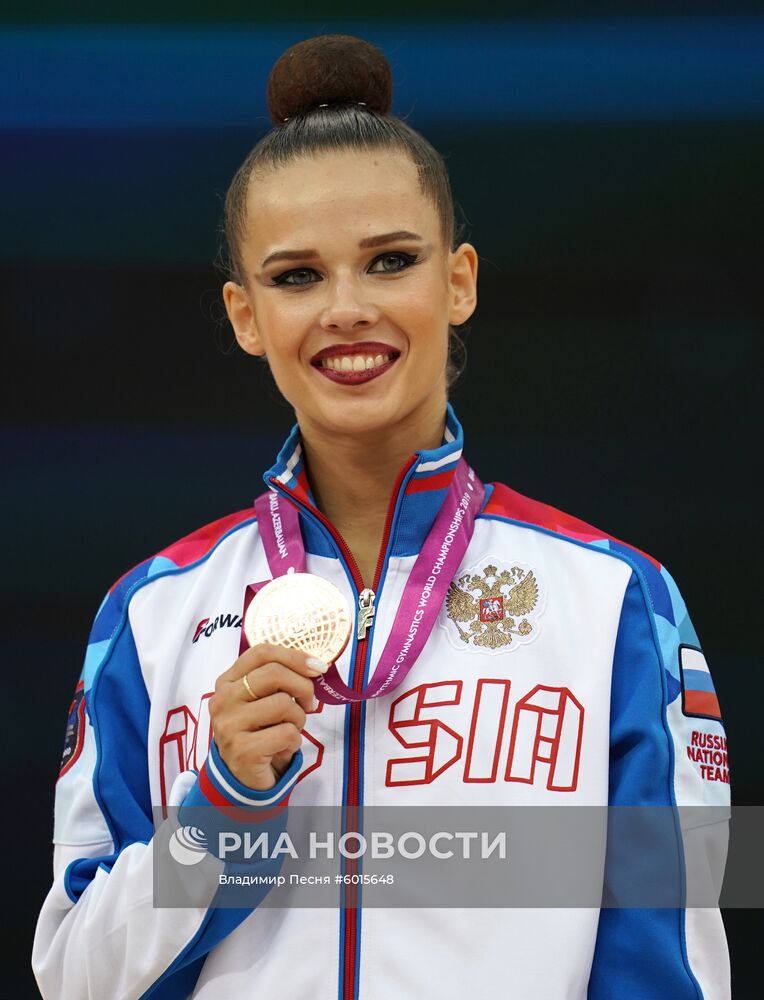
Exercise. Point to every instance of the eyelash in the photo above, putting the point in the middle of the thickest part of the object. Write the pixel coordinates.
(407, 258)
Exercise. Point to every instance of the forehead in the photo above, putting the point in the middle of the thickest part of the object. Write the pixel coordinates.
(318, 200)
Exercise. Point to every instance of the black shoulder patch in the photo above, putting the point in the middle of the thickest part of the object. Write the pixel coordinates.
(75, 730)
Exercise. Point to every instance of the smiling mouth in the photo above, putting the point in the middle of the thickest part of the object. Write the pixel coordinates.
(356, 367)
(355, 363)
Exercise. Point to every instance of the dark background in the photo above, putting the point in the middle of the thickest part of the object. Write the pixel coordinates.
(607, 159)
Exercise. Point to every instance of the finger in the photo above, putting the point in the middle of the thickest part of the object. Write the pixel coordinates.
(259, 747)
(266, 712)
(257, 656)
(274, 677)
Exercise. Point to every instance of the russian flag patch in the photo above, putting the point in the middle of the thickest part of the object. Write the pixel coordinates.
(698, 695)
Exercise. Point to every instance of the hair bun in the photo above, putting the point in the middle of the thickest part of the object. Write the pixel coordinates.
(329, 69)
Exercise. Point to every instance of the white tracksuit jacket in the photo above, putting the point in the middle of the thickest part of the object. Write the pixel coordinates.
(601, 697)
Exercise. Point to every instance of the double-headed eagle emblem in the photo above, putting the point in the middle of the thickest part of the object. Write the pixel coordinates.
(493, 609)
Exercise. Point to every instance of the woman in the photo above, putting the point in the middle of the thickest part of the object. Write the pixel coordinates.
(503, 653)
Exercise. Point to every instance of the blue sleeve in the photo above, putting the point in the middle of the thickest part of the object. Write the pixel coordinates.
(217, 802)
(104, 827)
(644, 952)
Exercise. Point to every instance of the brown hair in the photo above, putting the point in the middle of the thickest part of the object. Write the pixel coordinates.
(334, 93)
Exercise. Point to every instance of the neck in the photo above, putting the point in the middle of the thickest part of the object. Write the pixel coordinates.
(352, 477)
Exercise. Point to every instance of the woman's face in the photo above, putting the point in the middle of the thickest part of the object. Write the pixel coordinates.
(350, 291)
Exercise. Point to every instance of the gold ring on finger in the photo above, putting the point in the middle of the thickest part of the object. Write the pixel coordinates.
(250, 692)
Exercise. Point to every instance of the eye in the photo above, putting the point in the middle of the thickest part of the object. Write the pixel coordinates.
(298, 274)
(398, 258)
(398, 261)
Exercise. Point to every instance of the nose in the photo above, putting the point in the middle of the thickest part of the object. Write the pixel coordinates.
(347, 307)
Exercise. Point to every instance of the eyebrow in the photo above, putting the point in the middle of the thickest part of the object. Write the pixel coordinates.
(369, 241)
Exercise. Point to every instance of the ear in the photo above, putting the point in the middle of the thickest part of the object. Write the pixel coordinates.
(462, 279)
(242, 317)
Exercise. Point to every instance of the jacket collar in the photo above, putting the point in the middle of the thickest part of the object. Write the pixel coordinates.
(421, 490)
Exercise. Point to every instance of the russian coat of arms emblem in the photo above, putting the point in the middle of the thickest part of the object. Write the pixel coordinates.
(492, 610)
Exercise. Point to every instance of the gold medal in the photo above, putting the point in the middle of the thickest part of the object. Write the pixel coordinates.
(301, 611)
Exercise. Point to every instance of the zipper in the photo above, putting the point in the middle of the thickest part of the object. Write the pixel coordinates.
(366, 610)
(354, 770)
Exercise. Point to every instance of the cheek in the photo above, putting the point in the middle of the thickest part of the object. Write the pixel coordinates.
(425, 316)
(281, 326)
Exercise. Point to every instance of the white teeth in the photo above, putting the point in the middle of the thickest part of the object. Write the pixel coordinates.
(355, 362)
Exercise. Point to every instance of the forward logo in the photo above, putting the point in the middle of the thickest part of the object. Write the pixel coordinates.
(206, 627)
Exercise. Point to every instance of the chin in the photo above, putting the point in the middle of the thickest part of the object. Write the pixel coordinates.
(360, 416)
(382, 415)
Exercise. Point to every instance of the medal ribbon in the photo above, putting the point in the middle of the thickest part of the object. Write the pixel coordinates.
(279, 525)
(424, 593)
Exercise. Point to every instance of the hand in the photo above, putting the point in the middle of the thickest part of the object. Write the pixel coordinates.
(257, 739)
